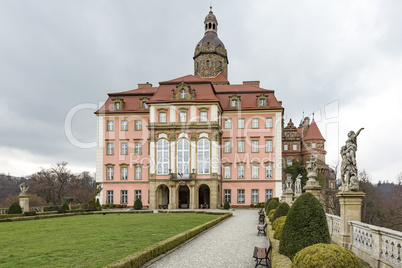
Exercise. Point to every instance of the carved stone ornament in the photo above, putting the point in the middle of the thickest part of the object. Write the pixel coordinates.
(24, 188)
(298, 189)
(349, 171)
(312, 168)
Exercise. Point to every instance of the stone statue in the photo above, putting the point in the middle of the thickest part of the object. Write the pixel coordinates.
(298, 189)
(24, 188)
(348, 166)
(289, 183)
(283, 188)
(312, 168)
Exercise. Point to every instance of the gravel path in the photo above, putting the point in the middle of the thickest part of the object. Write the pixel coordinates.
(229, 244)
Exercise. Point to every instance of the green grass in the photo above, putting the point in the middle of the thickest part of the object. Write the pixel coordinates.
(88, 240)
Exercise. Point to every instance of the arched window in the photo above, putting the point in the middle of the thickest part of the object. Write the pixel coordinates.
(183, 158)
(210, 25)
(220, 64)
(182, 94)
(207, 62)
(162, 157)
(213, 26)
(203, 159)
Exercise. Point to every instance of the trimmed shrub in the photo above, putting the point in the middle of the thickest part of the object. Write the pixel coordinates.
(51, 208)
(271, 214)
(324, 255)
(138, 204)
(281, 210)
(305, 225)
(273, 204)
(226, 205)
(65, 207)
(14, 209)
(252, 205)
(98, 205)
(277, 222)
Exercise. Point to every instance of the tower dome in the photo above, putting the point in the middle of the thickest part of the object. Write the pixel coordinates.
(210, 56)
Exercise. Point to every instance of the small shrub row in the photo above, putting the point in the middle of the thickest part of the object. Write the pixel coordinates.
(281, 210)
(271, 214)
(277, 225)
(105, 206)
(271, 205)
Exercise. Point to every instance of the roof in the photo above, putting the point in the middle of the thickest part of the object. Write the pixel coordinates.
(219, 79)
(313, 133)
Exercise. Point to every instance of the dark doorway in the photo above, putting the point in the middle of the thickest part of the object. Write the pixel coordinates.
(184, 196)
(162, 197)
(203, 195)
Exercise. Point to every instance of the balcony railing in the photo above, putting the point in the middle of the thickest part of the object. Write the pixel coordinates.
(175, 176)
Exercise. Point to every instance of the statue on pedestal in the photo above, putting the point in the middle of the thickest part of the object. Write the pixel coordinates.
(348, 166)
(24, 188)
(298, 189)
(289, 183)
(312, 168)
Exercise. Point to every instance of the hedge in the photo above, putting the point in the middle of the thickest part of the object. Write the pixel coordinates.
(281, 210)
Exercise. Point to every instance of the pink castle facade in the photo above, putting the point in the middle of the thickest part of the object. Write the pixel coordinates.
(191, 142)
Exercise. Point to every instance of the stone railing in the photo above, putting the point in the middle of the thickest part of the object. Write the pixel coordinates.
(380, 247)
(334, 224)
(34, 208)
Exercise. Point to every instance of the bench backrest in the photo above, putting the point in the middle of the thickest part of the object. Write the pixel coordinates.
(268, 246)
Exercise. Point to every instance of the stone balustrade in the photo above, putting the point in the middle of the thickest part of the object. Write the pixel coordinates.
(334, 224)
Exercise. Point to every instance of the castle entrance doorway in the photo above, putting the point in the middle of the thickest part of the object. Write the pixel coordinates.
(204, 196)
(184, 196)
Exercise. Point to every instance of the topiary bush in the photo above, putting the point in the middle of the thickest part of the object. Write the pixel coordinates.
(305, 225)
(271, 214)
(278, 231)
(281, 210)
(226, 205)
(272, 204)
(14, 209)
(324, 255)
(65, 207)
(138, 204)
(277, 222)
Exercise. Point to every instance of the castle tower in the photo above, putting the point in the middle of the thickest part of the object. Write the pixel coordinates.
(210, 55)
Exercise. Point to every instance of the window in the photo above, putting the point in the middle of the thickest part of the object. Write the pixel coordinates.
(144, 105)
(109, 197)
(254, 146)
(268, 146)
(240, 171)
(240, 196)
(137, 194)
(228, 123)
(183, 117)
(123, 148)
(183, 157)
(254, 123)
(268, 171)
(293, 135)
(288, 135)
(268, 194)
(207, 62)
(203, 159)
(109, 173)
(235, 103)
(109, 148)
(220, 63)
(262, 100)
(123, 197)
(203, 116)
(313, 145)
(124, 125)
(240, 146)
(162, 157)
(123, 173)
(254, 196)
(138, 125)
(294, 147)
(110, 125)
(117, 105)
(226, 172)
(285, 147)
(162, 117)
(254, 171)
(262, 103)
(227, 146)
(137, 174)
(290, 162)
(227, 195)
(182, 94)
(240, 123)
(268, 122)
(137, 148)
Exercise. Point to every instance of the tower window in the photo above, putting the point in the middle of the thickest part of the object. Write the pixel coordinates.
(213, 26)
(207, 62)
(182, 94)
(210, 25)
(220, 64)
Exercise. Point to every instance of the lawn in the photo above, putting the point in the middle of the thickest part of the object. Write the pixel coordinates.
(88, 240)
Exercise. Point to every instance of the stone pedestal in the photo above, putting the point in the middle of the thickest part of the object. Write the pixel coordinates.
(24, 202)
(313, 187)
(350, 203)
(289, 196)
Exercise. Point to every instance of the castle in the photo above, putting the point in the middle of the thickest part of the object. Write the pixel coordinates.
(195, 141)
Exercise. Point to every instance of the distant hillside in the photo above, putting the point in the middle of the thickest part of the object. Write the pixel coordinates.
(9, 185)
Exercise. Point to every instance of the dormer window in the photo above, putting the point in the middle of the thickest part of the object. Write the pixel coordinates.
(207, 62)
(144, 105)
(262, 100)
(234, 101)
(182, 94)
(117, 104)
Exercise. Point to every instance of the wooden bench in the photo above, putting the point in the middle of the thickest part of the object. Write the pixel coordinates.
(261, 219)
(262, 229)
(261, 254)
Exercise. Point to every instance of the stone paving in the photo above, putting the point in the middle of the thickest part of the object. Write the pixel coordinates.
(229, 244)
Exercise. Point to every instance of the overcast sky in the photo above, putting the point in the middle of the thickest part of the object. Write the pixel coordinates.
(339, 59)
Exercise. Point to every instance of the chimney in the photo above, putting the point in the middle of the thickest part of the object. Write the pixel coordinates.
(252, 83)
(144, 85)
